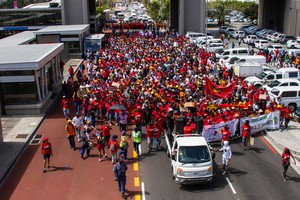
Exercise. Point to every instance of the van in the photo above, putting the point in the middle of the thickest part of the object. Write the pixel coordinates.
(194, 35)
(290, 96)
(285, 82)
(238, 34)
(245, 59)
(235, 51)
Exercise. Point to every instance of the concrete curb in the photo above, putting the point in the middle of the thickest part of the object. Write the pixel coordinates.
(25, 145)
(296, 153)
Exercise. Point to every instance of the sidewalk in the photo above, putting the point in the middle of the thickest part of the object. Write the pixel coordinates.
(17, 132)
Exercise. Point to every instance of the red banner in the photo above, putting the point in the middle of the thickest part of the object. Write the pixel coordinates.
(217, 91)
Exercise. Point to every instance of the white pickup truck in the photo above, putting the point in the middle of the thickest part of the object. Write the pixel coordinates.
(191, 159)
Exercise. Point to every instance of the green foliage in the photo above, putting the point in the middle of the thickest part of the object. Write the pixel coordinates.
(157, 11)
(251, 11)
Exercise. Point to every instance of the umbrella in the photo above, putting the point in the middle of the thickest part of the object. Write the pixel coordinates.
(118, 107)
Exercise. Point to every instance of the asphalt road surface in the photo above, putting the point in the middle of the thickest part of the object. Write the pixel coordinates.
(253, 174)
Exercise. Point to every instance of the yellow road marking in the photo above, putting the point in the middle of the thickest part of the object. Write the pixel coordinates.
(136, 181)
(135, 166)
(137, 197)
(134, 154)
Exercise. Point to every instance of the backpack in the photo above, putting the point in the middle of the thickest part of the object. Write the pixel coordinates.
(101, 141)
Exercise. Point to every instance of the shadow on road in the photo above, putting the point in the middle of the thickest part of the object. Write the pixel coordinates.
(55, 168)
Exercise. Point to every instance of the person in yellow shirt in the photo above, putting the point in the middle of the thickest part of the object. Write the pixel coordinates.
(70, 131)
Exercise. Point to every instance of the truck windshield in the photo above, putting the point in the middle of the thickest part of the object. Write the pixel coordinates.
(194, 154)
(274, 84)
(261, 75)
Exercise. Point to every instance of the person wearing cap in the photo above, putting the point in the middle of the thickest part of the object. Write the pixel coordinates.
(46, 150)
(113, 146)
(285, 158)
(66, 107)
(70, 131)
(119, 170)
(85, 145)
(123, 145)
(226, 157)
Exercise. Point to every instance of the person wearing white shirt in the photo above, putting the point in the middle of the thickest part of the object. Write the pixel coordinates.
(226, 155)
(77, 121)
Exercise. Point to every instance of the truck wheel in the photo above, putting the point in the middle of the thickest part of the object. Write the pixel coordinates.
(292, 106)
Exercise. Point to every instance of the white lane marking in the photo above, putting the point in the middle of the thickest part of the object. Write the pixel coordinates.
(143, 191)
(231, 186)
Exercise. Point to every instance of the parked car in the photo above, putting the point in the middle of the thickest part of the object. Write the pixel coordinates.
(297, 114)
(249, 39)
(261, 32)
(249, 29)
(270, 36)
(222, 29)
(229, 31)
(264, 36)
(238, 34)
(293, 44)
(242, 28)
(284, 82)
(286, 38)
(273, 47)
(277, 38)
(261, 44)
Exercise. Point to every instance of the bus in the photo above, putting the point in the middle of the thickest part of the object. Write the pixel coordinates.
(94, 42)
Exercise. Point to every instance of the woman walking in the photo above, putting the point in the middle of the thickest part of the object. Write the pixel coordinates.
(46, 152)
(285, 157)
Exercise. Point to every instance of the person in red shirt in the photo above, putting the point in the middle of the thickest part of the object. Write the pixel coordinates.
(106, 132)
(246, 130)
(113, 145)
(285, 158)
(157, 136)
(71, 71)
(46, 152)
(66, 107)
(149, 134)
(287, 113)
(225, 135)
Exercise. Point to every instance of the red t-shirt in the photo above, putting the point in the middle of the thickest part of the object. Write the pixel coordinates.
(65, 103)
(246, 129)
(105, 131)
(46, 148)
(225, 135)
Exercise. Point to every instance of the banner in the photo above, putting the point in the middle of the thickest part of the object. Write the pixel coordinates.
(213, 132)
(262, 122)
(217, 91)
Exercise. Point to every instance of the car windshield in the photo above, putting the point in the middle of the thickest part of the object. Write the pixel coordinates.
(261, 75)
(273, 84)
(275, 92)
(193, 154)
(233, 60)
(219, 51)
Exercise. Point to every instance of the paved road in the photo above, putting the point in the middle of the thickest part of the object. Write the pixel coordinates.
(69, 177)
(254, 174)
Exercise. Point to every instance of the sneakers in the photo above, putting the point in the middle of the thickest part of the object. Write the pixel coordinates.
(123, 196)
(224, 172)
(105, 156)
(284, 180)
(82, 157)
(100, 160)
(44, 171)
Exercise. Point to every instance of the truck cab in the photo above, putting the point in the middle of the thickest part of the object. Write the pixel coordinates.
(191, 160)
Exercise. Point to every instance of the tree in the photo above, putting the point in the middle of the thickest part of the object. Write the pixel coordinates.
(251, 11)
(221, 11)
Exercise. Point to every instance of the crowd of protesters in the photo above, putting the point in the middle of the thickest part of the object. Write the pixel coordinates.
(153, 75)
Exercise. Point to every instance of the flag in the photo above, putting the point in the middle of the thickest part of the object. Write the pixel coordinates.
(217, 91)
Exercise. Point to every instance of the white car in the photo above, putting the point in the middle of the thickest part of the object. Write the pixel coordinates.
(249, 39)
(240, 34)
(277, 38)
(212, 47)
(281, 83)
(293, 44)
(261, 44)
(273, 47)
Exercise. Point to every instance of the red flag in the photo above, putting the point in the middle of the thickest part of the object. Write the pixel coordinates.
(217, 91)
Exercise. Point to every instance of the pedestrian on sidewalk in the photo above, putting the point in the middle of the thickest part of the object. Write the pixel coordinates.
(226, 156)
(77, 122)
(70, 131)
(85, 145)
(123, 121)
(149, 134)
(46, 152)
(101, 143)
(113, 146)
(287, 113)
(246, 130)
(124, 145)
(119, 170)
(285, 157)
(66, 107)
(136, 138)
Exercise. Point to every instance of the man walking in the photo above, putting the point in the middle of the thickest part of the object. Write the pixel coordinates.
(77, 121)
(226, 156)
(70, 131)
(119, 170)
(136, 138)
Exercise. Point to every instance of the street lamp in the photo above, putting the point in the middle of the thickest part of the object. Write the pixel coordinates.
(206, 15)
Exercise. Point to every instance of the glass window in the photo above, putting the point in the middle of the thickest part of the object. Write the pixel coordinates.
(17, 73)
(74, 46)
(278, 76)
(194, 154)
(270, 77)
(284, 84)
(289, 94)
(294, 84)
(234, 52)
(19, 93)
(226, 53)
(243, 51)
(293, 74)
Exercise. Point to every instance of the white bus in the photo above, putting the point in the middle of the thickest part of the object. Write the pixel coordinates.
(94, 42)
